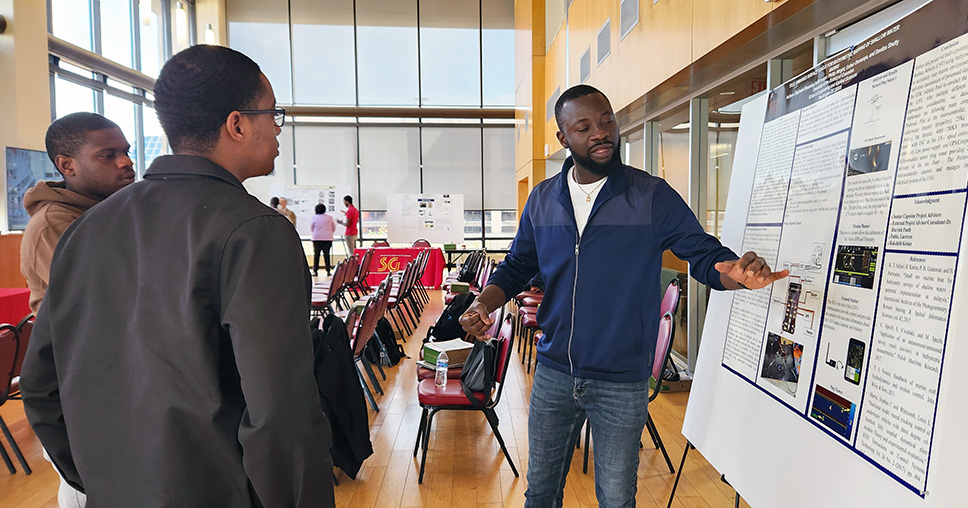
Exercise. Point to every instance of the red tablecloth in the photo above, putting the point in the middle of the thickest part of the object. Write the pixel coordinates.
(14, 304)
(389, 259)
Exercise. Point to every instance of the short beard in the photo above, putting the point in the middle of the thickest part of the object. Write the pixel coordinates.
(599, 168)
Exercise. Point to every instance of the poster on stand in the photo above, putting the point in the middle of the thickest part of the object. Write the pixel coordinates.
(856, 182)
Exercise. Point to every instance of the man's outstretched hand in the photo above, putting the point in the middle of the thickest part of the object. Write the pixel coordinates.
(750, 271)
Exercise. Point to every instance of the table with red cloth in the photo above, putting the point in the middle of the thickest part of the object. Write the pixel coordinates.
(391, 259)
(14, 304)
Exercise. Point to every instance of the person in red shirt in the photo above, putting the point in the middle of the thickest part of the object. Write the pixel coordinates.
(351, 221)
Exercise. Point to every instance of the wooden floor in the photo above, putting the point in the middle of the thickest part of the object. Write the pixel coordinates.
(465, 466)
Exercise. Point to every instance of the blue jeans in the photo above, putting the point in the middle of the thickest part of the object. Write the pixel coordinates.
(559, 405)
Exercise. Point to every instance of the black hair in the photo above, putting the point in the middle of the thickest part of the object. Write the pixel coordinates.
(67, 135)
(572, 94)
(273, 201)
(348, 199)
(320, 208)
(198, 88)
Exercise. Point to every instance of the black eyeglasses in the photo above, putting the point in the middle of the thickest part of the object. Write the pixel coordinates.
(279, 117)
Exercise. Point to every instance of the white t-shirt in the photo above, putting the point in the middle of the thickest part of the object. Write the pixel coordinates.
(583, 198)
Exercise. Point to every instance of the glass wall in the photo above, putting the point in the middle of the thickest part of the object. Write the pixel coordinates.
(497, 46)
(450, 53)
(387, 61)
(373, 161)
(389, 163)
(380, 52)
(131, 33)
(260, 29)
(323, 77)
(393, 53)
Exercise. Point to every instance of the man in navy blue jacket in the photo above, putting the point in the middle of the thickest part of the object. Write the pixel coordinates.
(600, 311)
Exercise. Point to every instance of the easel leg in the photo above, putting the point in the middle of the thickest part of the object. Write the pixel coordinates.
(737, 498)
(679, 474)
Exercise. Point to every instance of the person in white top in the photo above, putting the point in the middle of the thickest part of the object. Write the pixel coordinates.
(322, 227)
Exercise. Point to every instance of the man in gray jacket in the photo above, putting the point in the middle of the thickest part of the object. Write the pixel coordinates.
(171, 361)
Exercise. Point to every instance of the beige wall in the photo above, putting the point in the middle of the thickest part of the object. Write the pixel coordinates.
(24, 105)
(529, 79)
(670, 35)
(210, 12)
(24, 82)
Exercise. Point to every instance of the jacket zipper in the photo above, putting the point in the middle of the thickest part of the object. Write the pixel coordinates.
(574, 296)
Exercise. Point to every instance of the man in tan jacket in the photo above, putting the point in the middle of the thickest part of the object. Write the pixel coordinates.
(91, 153)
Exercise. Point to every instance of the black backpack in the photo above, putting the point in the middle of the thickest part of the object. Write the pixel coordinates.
(480, 370)
(447, 327)
(468, 270)
(394, 351)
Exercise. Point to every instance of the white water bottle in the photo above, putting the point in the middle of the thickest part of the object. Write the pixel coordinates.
(440, 378)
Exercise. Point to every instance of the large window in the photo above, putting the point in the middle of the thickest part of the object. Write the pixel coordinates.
(380, 52)
(71, 21)
(476, 161)
(387, 58)
(131, 33)
(497, 37)
(325, 155)
(389, 164)
(325, 77)
(452, 164)
(391, 53)
(117, 34)
(69, 97)
(450, 52)
(260, 29)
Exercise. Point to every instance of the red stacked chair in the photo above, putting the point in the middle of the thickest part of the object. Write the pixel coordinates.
(329, 293)
(455, 372)
(362, 331)
(434, 399)
(11, 360)
(480, 280)
(401, 301)
(472, 263)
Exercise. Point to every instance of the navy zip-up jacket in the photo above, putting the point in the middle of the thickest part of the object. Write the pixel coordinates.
(600, 313)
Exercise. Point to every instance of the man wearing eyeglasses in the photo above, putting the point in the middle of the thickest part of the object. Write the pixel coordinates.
(171, 360)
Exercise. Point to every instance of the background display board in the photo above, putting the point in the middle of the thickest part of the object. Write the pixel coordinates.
(24, 168)
(303, 201)
(840, 385)
(438, 218)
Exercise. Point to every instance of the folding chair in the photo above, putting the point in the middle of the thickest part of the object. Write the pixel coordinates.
(360, 335)
(24, 328)
(363, 272)
(381, 243)
(451, 397)
(11, 359)
(455, 372)
(420, 243)
(670, 304)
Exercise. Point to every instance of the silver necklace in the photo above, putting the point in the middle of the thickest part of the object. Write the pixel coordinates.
(588, 195)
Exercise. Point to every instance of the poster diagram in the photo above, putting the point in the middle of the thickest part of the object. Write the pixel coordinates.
(303, 201)
(438, 218)
(860, 191)
(24, 169)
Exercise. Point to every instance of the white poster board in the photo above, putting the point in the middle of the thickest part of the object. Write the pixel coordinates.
(438, 218)
(840, 385)
(303, 200)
